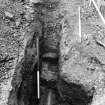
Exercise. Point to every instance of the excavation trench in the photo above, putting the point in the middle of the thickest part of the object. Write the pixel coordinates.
(24, 81)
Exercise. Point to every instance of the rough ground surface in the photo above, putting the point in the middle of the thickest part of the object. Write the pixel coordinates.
(15, 20)
(76, 57)
(81, 62)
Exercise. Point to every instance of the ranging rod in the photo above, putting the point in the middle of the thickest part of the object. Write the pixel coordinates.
(100, 14)
(79, 10)
(38, 73)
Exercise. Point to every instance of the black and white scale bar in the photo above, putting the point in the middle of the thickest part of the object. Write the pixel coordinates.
(38, 73)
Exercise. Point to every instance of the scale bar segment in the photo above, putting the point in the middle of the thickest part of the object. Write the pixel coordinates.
(79, 10)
